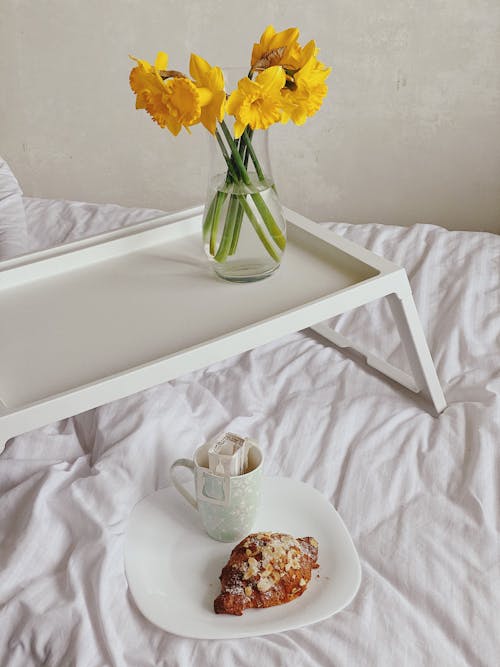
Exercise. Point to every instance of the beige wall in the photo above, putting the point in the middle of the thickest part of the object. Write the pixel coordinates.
(410, 131)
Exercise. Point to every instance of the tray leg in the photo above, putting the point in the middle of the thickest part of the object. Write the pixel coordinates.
(371, 360)
(5, 435)
(410, 329)
(405, 314)
(3, 441)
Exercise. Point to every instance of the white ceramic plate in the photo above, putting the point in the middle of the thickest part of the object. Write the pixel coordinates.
(173, 567)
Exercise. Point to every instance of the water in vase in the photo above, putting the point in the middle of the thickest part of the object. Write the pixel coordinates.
(244, 229)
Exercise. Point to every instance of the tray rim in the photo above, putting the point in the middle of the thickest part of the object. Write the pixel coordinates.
(191, 216)
(155, 222)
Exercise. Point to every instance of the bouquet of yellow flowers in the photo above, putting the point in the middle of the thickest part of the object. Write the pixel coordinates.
(285, 82)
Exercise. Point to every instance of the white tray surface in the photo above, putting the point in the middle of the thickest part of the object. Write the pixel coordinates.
(64, 327)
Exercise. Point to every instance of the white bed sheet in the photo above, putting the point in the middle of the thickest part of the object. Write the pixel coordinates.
(419, 495)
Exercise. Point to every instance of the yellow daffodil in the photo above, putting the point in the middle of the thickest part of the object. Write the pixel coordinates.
(257, 103)
(210, 83)
(170, 98)
(306, 88)
(144, 80)
(275, 48)
(178, 107)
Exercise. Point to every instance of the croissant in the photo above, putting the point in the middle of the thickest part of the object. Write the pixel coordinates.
(264, 570)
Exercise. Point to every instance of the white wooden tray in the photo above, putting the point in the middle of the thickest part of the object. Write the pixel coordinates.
(95, 320)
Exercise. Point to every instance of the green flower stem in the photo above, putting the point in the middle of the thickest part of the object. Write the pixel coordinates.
(265, 213)
(239, 216)
(248, 142)
(211, 221)
(236, 231)
(227, 232)
(213, 216)
(219, 198)
(207, 222)
(232, 173)
(247, 135)
(242, 149)
(244, 205)
(238, 162)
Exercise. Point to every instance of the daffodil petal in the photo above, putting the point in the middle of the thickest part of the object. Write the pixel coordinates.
(210, 84)
(309, 50)
(221, 99)
(161, 61)
(239, 128)
(268, 34)
(247, 87)
(198, 68)
(143, 63)
(174, 126)
(270, 41)
(234, 101)
(273, 78)
(284, 37)
(205, 95)
(216, 79)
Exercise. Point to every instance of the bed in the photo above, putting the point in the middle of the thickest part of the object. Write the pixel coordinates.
(419, 494)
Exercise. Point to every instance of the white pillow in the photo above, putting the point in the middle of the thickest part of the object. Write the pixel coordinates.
(13, 232)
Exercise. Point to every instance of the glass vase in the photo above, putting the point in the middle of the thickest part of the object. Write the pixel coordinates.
(244, 227)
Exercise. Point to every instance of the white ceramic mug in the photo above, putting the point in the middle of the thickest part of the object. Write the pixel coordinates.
(227, 505)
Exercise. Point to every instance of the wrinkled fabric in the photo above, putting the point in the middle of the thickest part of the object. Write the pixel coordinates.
(13, 232)
(419, 494)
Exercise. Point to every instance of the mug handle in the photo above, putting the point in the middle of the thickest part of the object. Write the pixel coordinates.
(186, 463)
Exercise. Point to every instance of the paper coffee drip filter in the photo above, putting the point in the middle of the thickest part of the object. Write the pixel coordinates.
(228, 455)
